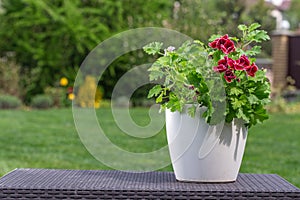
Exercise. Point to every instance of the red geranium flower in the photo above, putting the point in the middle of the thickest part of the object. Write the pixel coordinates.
(231, 63)
(241, 63)
(223, 64)
(220, 68)
(251, 70)
(228, 47)
(223, 43)
(229, 76)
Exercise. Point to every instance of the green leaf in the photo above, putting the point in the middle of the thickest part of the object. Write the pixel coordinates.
(235, 91)
(235, 39)
(159, 98)
(242, 27)
(238, 103)
(253, 51)
(265, 101)
(262, 91)
(155, 75)
(251, 90)
(230, 114)
(180, 77)
(192, 111)
(173, 104)
(153, 48)
(194, 78)
(207, 115)
(242, 115)
(162, 61)
(261, 114)
(253, 99)
(260, 78)
(260, 35)
(198, 42)
(156, 71)
(217, 55)
(254, 26)
(155, 91)
(205, 100)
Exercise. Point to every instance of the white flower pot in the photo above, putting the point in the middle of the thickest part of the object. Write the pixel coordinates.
(204, 153)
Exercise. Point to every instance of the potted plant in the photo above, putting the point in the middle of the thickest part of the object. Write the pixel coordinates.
(212, 95)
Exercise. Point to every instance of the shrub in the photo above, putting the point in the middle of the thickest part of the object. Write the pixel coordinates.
(86, 97)
(57, 94)
(9, 76)
(9, 102)
(42, 102)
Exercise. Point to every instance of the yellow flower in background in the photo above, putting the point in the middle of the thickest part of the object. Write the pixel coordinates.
(63, 81)
(71, 96)
(97, 104)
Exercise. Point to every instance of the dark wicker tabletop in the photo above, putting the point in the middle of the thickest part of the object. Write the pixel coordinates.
(94, 184)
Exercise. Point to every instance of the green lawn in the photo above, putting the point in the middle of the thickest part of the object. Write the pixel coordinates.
(48, 139)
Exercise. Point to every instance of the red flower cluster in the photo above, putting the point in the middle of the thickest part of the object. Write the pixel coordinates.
(224, 44)
(228, 65)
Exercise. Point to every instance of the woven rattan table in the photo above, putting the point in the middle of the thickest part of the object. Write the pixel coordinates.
(93, 184)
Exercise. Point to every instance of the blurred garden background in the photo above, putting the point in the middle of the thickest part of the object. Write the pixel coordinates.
(44, 42)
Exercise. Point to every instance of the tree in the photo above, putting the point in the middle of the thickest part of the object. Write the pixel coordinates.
(49, 37)
(293, 14)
